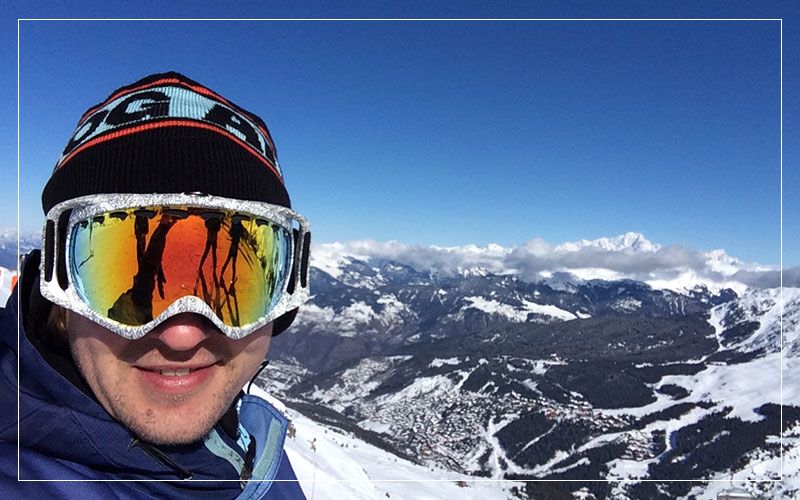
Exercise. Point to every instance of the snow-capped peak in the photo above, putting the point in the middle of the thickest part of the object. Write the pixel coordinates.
(474, 271)
(628, 242)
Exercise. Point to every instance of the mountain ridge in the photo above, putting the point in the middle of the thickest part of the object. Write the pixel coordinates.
(608, 397)
(627, 256)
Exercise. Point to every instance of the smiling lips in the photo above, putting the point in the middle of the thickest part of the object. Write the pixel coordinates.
(174, 380)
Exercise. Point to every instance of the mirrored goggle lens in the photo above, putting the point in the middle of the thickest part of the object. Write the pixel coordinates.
(130, 265)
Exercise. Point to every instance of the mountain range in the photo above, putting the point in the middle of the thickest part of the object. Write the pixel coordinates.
(627, 256)
(562, 378)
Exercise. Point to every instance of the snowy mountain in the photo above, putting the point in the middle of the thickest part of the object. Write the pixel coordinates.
(628, 242)
(691, 397)
(753, 323)
(372, 310)
(563, 378)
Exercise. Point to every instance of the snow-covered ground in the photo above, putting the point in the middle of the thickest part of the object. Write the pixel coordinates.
(777, 312)
(7, 280)
(744, 387)
(514, 313)
(332, 465)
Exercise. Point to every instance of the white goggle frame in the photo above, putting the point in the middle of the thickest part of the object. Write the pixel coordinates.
(56, 276)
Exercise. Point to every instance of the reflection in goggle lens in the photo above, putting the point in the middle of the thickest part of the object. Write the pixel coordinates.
(130, 265)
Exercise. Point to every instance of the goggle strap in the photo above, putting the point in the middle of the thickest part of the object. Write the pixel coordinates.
(49, 249)
(293, 273)
(304, 260)
(61, 252)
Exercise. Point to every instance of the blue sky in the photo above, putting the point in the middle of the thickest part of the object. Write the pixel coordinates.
(457, 132)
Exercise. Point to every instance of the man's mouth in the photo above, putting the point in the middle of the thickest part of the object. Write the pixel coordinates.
(175, 369)
(175, 380)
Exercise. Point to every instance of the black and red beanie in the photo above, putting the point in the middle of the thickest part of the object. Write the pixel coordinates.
(168, 134)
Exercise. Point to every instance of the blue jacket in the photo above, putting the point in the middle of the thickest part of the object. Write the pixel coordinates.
(65, 435)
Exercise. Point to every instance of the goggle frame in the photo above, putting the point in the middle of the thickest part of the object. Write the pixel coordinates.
(56, 280)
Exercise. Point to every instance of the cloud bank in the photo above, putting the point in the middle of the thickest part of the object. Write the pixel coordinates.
(628, 256)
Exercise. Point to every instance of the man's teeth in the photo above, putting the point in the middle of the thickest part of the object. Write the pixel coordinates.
(174, 373)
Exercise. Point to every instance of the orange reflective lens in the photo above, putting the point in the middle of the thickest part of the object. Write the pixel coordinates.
(131, 265)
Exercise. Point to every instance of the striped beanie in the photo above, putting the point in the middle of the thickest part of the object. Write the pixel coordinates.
(168, 134)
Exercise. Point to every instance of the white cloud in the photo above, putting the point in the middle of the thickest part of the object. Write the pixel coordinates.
(628, 256)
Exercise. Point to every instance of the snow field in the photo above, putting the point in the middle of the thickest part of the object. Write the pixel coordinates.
(332, 465)
(513, 313)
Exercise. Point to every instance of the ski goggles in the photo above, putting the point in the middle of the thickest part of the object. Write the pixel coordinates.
(130, 261)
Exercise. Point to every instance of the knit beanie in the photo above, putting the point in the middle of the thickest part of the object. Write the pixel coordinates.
(169, 134)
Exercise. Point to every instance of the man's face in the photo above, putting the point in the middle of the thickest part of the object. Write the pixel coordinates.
(145, 384)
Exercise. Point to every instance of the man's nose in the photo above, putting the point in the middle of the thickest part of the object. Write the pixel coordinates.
(183, 332)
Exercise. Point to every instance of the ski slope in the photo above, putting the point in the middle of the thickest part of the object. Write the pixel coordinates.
(332, 465)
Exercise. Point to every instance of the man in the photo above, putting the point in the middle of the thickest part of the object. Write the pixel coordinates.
(170, 258)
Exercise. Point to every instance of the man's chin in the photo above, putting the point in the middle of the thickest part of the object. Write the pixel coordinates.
(173, 429)
(170, 437)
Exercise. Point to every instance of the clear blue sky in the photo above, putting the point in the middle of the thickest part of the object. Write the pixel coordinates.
(449, 133)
